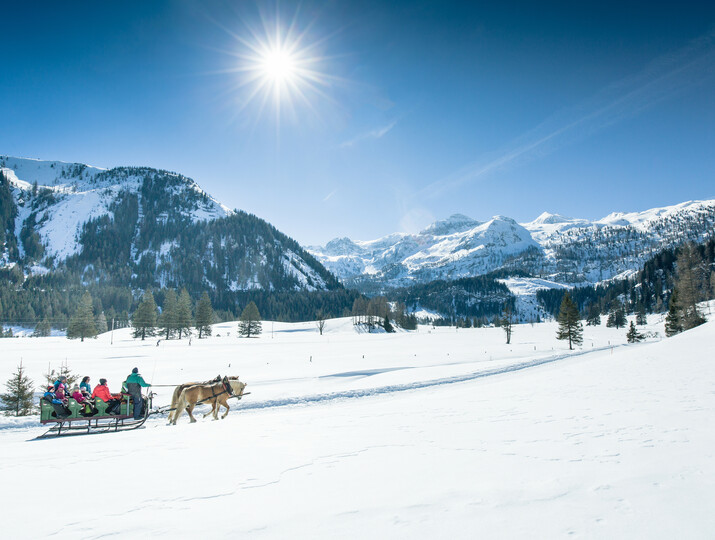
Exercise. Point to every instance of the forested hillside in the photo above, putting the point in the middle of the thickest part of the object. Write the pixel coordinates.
(648, 290)
(119, 232)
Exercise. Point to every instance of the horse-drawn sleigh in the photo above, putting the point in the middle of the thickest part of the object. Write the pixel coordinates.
(79, 419)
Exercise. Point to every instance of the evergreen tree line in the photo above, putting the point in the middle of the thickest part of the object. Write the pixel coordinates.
(33, 305)
(378, 311)
(481, 297)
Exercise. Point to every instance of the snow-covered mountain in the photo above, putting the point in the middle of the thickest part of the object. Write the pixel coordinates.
(149, 226)
(553, 247)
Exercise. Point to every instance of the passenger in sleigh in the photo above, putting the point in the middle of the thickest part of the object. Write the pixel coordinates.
(88, 408)
(102, 392)
(61, 410)
(61, 393)
(85, 387)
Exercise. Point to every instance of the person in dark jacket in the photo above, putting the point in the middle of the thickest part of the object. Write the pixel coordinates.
(134, 385)
(61, 411)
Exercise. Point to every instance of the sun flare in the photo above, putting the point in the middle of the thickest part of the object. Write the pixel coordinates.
(281, 66)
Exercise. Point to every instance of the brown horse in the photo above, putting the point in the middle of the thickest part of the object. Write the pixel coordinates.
(181, 388)
(217, 394)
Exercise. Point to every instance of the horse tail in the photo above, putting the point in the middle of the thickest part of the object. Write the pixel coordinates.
(175, 401)
(180, 406)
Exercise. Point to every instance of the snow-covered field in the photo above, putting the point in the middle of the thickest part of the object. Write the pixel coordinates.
(439, 433)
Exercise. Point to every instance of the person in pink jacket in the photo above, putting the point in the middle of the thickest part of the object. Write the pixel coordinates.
(88, 408)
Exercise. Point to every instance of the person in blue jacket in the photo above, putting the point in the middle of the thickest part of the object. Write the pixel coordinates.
(61, 411)
(134, 385)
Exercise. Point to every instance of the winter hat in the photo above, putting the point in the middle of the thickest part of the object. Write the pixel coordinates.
(102, 381)
(135, 370)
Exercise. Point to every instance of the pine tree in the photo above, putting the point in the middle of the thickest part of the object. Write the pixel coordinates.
(184, 319)
(43, 328)
(617, 316)
(673, 324)
(633, 336)
(169, 314)
(82, 323)
(204, 315)
(250, 321)
(690, 286)
(386, 325)
(101, 323)
(641, 318)
(594, 316)
(19, 396)
(569, 324)
(144, 319)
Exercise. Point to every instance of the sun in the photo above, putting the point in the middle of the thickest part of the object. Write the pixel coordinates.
(281, 66)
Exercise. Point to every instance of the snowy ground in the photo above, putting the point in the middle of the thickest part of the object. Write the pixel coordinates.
(431, 434)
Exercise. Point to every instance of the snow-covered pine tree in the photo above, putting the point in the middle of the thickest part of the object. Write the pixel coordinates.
(250, 321)
(569, 324)
(19, 396)
(82, 323)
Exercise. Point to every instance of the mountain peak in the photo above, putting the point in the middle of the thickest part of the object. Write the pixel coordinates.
(547, 218)
(453, 224)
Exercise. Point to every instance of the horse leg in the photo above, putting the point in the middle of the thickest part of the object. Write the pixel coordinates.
(190, 409)
(216, 405)
(225, 404)
(212, 410)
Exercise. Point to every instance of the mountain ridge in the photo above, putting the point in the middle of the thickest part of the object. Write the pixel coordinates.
(565, 250)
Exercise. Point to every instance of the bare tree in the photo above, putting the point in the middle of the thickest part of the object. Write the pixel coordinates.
(320, 321)
(507, 322)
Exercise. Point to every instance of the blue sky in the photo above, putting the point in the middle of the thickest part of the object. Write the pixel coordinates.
(418, 110)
